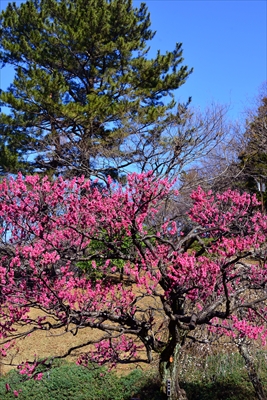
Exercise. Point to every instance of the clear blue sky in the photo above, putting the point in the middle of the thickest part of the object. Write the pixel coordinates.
(224, 41)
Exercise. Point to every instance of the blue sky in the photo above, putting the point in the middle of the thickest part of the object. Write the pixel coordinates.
(224, 41)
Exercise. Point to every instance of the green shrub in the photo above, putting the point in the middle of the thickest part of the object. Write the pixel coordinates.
(212, 377)
(70, 381)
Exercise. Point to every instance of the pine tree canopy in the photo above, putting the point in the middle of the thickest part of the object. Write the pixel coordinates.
(86, 99)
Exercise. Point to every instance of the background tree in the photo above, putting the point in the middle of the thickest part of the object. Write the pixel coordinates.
(84, 85)
(253, 158)
(239, 160)
(171, 291)
(185, 142)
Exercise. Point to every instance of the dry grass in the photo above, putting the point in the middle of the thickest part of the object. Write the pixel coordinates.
(41, 344)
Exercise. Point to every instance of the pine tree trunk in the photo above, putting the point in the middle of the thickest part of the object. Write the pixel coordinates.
(168, 369)
(251, 369)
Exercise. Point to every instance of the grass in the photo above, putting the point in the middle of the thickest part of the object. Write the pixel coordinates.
(221, 376)
(213, 377)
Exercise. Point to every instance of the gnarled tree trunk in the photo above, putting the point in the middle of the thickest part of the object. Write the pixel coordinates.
(168, 368)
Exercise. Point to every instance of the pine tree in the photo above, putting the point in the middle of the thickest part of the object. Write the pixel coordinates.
(86, 99)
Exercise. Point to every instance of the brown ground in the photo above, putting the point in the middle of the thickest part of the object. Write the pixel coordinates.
(41, 344)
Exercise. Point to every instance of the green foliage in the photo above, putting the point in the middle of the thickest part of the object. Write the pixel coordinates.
(70, 381)
(253, 159)
(196, 246)
(102, 249)
(99, 251)
(83, 84)
(8, 160)
(219, 376)
(12, 150)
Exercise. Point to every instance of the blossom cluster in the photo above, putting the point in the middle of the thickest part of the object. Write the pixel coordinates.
(65, 243)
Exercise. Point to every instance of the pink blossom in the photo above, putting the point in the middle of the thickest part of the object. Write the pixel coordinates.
(61, 230)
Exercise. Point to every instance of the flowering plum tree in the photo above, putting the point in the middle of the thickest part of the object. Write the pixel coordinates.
(49, 229)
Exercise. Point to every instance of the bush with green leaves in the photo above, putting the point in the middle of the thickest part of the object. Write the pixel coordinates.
(70, 381)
